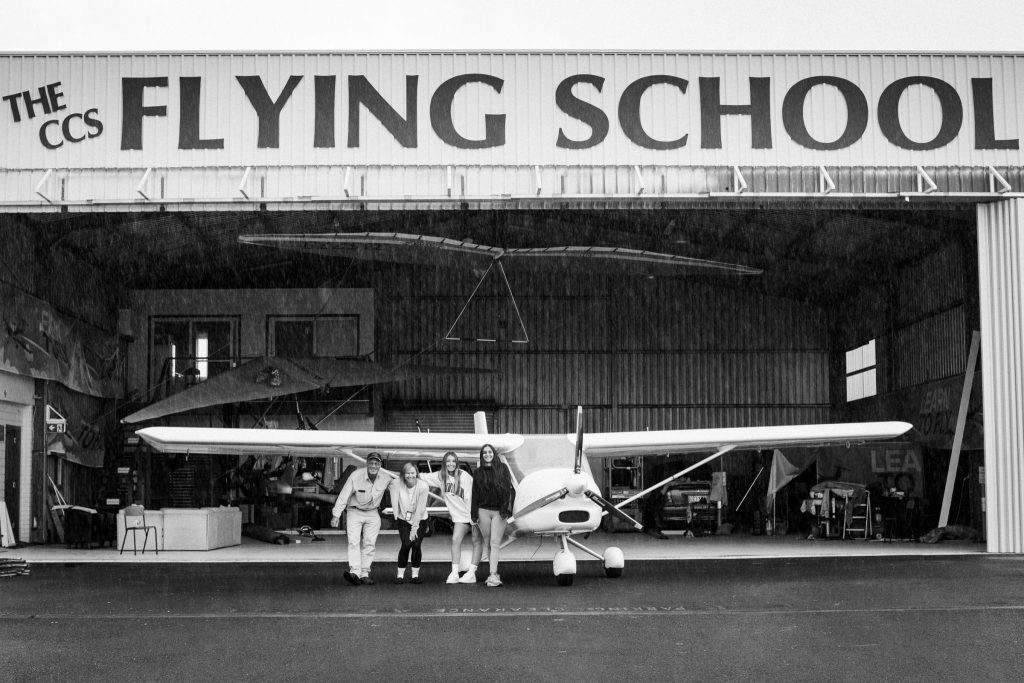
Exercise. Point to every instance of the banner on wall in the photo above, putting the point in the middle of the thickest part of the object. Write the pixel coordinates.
(88, 425)
(891, 465)
(933, 409)
(38, 342)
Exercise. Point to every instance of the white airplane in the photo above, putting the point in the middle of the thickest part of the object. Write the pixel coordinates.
(556, 494)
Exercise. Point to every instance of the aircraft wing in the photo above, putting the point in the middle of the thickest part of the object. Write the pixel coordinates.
(628, 444)
(315, 443)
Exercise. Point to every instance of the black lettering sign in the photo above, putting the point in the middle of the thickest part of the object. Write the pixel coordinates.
(441, 114)
(268, 111)
(66, 129)
(984, 117)
(589, 114)
(712, 110)
(94, 124)
(44, 136)
(323, 111)
(188, 124)
(629, 112)
(949, 103)
(132, 110)
(856, 113)
(360, 92)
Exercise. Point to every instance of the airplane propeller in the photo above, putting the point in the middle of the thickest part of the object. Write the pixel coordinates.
(612, 510)
(578, 486)
(578, 465)
(540, 502)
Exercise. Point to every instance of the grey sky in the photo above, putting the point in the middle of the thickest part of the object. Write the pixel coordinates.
(451, 25)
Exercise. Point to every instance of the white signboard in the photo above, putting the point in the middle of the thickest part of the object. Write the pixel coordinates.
(200, 111)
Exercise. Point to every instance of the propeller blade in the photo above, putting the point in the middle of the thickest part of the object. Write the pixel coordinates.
(612, 510)
(539, 503)
(579, 440)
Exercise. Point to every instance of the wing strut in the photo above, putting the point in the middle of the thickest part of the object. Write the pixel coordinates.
(675, 476)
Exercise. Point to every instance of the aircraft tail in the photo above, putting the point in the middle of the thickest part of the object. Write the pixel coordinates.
(480, 422)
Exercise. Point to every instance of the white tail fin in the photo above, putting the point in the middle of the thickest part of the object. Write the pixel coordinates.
(480, 422)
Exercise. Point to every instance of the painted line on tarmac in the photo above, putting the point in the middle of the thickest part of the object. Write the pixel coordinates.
(509, 612)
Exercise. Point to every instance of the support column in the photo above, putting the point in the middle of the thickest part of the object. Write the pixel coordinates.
(1001, 285)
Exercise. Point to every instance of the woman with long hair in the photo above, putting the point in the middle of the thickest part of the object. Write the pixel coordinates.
(409, 505)
(457, 490)
(493, 498)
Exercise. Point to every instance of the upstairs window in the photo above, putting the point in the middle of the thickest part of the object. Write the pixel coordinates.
(190, 350)
(861, 372)
(313, 336)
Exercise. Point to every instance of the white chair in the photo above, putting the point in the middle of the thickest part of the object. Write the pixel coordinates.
(135, 521)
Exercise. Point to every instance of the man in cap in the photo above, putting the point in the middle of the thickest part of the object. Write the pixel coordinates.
(359, 499)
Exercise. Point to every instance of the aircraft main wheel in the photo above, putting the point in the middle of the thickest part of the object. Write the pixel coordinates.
(565, 579)
(614, 561)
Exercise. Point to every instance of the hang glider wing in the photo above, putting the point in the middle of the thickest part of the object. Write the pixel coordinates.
(443, 251)
(312, 443)
(628, 444)
(626, 258)
(267, 377)
(383, 246)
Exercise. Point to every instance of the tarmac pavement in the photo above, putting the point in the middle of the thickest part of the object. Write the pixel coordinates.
(951, 616)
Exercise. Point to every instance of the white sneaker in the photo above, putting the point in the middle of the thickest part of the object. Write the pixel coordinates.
(453, 577)
(468, 577)
(493, 581)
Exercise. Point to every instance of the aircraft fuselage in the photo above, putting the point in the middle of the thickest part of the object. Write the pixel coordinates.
(543, 464)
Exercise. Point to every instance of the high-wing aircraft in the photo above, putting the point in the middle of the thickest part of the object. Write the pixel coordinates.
(556, 494)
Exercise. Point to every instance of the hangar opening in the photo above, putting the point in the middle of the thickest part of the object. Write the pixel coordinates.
(641, 347)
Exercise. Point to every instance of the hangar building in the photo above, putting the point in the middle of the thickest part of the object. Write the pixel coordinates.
(843, 233)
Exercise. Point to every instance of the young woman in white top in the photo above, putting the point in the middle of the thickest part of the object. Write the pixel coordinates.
(457, 489)
(409, 505)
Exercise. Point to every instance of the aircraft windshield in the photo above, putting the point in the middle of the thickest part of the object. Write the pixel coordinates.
(543, 452)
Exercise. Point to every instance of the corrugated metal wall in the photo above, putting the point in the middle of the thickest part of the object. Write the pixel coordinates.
(1001, 275)
(934, 348)
(919, 318)
(658, 355)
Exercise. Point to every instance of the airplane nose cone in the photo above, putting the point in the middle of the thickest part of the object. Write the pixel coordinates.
(577, 484)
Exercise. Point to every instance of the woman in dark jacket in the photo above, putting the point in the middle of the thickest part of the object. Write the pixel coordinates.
(493, 497)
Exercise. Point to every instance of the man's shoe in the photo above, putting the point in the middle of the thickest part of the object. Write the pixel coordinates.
(415, 579)
(366, 581)
(400, 580)
(468, 577)
(351, 578)
(453, 577)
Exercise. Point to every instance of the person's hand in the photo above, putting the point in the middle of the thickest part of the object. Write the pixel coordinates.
(474, 522)
(335, 522)
(412, 535)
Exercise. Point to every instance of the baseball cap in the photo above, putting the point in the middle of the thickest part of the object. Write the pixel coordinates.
(373, 456)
